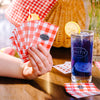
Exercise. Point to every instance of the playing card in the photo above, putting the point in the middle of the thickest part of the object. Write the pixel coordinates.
(45, 34)
(64, 68)
(32, 33)
(80, 90)
(22, 36)
(19, 10)
(14, 40)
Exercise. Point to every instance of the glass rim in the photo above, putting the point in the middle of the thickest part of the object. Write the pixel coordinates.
(91, 33)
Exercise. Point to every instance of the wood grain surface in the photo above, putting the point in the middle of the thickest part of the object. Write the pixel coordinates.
(47, 87)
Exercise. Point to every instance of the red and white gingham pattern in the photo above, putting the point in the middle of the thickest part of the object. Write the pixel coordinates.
(80, 90)
(22, 35)
(97, 64)
(19, 10)
(47, 29)
(31, 34)
(13, 38)
(19, 42)
(64, 68)
(28, 34)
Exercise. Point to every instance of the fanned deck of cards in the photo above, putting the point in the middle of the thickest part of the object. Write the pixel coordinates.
(64, 68)
(32, 33)
(19, 10)
(80, 90)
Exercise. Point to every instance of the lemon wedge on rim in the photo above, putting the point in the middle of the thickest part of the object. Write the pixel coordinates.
(72, 27)
(33, 17)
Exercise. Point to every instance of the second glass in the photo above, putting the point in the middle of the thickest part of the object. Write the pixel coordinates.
(81, 56)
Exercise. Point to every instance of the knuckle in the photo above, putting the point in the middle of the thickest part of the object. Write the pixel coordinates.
(32, 54)
(38, 61)
(43, 71)
(35, 70)
(33, 63)
(40, 65)
(40, 73)
(37, 73)
(46, 54)
(44, 58)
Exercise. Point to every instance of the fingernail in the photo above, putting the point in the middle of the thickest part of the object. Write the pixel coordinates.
(29, 56)
(40, 45)
(33, 48)
(29, 49)
(36, 46)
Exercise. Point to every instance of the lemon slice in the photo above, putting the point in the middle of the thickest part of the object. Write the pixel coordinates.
(33, 17)
(72, 27)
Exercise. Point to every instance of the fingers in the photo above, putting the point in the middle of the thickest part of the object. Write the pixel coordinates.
(35, 60)
(41, 62)
(42, 57)
(33, 64)
(30, 72)
(46, 53)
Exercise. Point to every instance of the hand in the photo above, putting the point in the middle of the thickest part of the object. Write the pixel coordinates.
(39, 64)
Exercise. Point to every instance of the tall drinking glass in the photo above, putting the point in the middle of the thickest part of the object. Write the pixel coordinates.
(81, 56)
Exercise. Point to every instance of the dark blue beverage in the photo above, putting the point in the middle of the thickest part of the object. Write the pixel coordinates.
(81, 56)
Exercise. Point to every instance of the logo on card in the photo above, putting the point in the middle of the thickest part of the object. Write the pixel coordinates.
(80, 52)
(80, 86)
(44, 37)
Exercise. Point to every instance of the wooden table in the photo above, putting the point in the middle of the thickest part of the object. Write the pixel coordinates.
(47, 87)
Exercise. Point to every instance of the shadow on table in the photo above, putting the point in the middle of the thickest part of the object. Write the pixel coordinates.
(61, 52)
(96, 81)
(56, 92)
